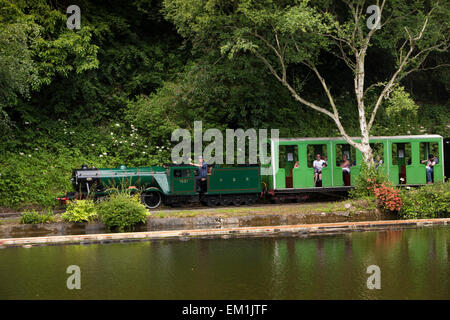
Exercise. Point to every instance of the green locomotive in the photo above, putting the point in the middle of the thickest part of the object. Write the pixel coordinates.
(171, 184)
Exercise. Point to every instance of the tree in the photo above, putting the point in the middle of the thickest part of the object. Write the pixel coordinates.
(288, 34)
(17, 70)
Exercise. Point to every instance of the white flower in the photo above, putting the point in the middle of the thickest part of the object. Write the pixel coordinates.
(145, 146)
(117, 125)
(112, 133)
(29, 156)
(92, 144)
(36, 149)
(21, 153)
(104, 153)
(101, 156)
(143, 152)
(26, 122)
(132, 144)
(120, 141)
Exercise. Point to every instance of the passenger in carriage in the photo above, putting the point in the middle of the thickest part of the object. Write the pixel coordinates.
(431, 162)
(345, 165)
(378, 161)
(318, 164)
(324, 158)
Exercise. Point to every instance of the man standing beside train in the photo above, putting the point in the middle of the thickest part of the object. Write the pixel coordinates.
(202, 171)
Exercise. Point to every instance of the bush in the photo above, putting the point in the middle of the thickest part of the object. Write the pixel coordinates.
(35, 179)
(368, 178)
(122, 211)
(80, 211)
(34, 217)
(429, 201)
(388, 197)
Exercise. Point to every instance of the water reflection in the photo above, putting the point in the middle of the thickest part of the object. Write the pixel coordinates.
(414, 265)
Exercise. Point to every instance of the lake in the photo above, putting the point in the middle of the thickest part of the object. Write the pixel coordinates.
(414, 264)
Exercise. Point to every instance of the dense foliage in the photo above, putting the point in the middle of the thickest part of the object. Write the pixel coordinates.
(122, 211)
(34, 217)
(112, 92)
(80, 211)
(430, 201)
(366, 182)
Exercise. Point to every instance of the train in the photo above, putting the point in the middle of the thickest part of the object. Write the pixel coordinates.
(171, 184)
(291, 175)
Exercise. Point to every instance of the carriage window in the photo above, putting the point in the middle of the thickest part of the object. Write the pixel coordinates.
(315, 149)
(378, 153)
(346, 149)
(288, 156)
(181, 173)
(427, 148)
(401, 154)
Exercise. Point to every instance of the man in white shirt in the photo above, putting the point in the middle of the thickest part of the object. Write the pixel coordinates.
(318, 164)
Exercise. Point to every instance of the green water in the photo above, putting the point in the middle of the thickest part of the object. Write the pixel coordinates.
(414, 264)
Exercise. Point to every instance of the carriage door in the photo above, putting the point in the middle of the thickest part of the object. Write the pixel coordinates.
(312, 151)
(401, 158)
(426, 149)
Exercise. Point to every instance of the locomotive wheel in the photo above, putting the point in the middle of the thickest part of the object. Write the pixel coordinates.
(225, 201)
(251, 200)
(151, 199)
(237, 200)
(212, 201)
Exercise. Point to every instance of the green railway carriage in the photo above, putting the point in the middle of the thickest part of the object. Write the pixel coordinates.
(398, 156)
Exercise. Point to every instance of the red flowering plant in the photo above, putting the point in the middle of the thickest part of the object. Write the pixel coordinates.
(373, 182)
(387, 196)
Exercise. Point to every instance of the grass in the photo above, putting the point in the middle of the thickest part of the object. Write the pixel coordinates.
(282, 209)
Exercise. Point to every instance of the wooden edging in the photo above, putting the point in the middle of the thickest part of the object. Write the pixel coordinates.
(223, 232)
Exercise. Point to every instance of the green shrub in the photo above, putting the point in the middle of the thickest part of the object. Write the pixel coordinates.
(122, 211)
(365, 182)
(34, 217)
(80, 211)
(429, 201)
